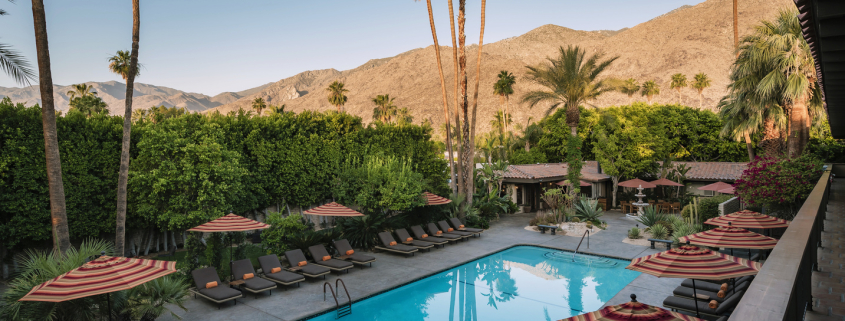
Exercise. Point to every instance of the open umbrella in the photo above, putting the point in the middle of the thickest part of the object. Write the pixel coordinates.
(230, 223)
(103, 275)
(732, 238)
(717, 186)
(748, 219)
(333, 209)
(637, 183)
(632, 311)
(729, 190)
(666, 182)
(582, 183)
(694, 262)
(432, 199)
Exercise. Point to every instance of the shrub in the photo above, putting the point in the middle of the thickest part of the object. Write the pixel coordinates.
(588, 210)
(780, 185)
(214, 248)
(147, 301)
(363, 231)
(275, 239)
(659, 231)
(651, 215)
(476, 221)
(683, 229)
(709, 207)
(533, 222)
(305, 239)
(634, 233)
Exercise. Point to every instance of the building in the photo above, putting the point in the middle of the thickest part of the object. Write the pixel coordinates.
(704, 173)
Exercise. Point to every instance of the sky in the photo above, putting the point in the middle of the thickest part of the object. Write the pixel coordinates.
(213, 46)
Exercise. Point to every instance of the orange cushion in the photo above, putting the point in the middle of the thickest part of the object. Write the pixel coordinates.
(276, 269)
(248, 276)
(211, 285)
(350, 252)
(409, 239)
(721, 294)
(724, 287)
(393, 243)
(450, 229)
(461, 226)
(439, 232)
(713, 304)
(424, 235)
(326, 258)
(302, 263)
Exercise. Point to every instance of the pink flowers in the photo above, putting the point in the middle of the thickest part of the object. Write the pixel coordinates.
(772, 183)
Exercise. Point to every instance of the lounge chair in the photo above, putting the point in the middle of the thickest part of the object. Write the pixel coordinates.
(434, 230)
(217, 294)
(728, 281)
(685, 292)
(675, 304)
(448, 229)
(460, 226)
(714, 287)
(269, 263)
(322, 257)
(408, 240)
(295, 257)
(241, 269)
(423, 236)
(343, 247)
(390, 245)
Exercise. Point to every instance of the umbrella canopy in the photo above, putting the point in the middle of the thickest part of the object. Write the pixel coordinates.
(666, 182)
(637, 183)
(431, 199)
(693, 262)
(333, 209)
(717, 186)
(104, 275)
(230, 223)
(632, 311)
(731, 237)
(582, 183)
(729, 190)
(748, 219)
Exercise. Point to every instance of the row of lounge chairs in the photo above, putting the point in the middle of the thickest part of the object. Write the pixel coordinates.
(441, 234)
(707, 291)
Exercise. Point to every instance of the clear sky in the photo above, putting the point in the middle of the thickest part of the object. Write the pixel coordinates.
(212, 46)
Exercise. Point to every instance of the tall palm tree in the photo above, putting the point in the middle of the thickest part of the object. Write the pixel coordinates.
(385, 109)
(504, 88)
(650, 88)
(80, 90)
(128, 70)
(701, 82)
(572, 80)
(630, 87)
(259, 105)
(58, 214)
(679, 81)
(470, 166)
(337, 95)
(736, 25)
(13, 64)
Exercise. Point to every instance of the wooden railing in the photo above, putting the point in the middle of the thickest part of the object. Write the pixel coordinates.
(782, 289)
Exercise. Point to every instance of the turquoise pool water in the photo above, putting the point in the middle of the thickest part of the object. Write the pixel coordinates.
(520, 283)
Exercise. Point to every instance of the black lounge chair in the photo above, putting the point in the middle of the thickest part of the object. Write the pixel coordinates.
(433, 229)
(714, 287)
(404, 237)
(446, 229)
(680, 304)
(728, 281)
(685, 292)
(457, 224)
(255, 284)
(309, 270)
(219, 294)
(342, 246)
(423, 236)
(386, 239)
(270, 262)
(322, 257)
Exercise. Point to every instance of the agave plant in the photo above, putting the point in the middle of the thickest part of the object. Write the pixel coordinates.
(658, 231)
(588, 210)
(363, 231)
(147, 301)
(634, 233)
(651, 215)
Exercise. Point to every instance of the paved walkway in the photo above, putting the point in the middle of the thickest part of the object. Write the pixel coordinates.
(392, 270)
(829, 282)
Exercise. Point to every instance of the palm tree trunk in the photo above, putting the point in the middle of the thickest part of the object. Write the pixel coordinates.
(467, 144)
(475, 94)
(58, 214)
(508, 112)
(799, 134)
(736, 25)
(458, 126)
(772, 141)
(123, 175)
(452, 183)
(749, 147)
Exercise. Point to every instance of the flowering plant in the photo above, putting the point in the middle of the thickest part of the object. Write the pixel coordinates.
(780, 185)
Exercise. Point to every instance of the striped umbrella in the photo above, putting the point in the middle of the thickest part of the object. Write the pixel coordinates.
(333, 209)
(666, 182)
(748, 219)
(632, 311)
(731, 237)
(230, 223)
(637, 183)
(431, 199)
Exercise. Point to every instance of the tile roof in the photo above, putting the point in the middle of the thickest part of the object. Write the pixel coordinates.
(714, 171)
(553, 171)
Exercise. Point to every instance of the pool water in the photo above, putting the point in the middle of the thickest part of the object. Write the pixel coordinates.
(520, 283)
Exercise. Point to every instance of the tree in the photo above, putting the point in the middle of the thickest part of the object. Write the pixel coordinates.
(337, 95)
(277, 110)
(403, 117)
(80, 90)
(89, 105)
(630, 87)
(13, 64)
(571, 81)
(385, 109)
(650, 88)
(679, 81)
(61, 235)
(259, 105)
(128, 69)
(504, 88)
(701, 82)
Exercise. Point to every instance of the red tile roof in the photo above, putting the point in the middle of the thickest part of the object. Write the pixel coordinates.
(714, 171)
(553, 171)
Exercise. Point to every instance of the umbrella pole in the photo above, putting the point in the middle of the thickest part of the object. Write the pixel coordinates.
(108, 299)
(695, 299)
(231, 273)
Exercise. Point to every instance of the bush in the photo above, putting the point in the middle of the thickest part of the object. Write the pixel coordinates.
(520, 156)
(683, 229)
(780, 185)
(275, 239)
(634, 233)
(476, 221)
(363, 231)
(709, 207)
(533, 222)
(305, 239)
(659, 231)
(214, 254)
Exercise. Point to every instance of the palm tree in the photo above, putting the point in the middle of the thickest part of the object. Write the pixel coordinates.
(679, 81)
(701, 82)
(470, 165)
(58, 214)
(80, 90)
(259, 105)
(650, 88)
(128, 69)
(276, 109)
(13, 64)
(504, 88)
(403, 117)
(385, 110)
(336, 94)
(571, 81)
(630, 87)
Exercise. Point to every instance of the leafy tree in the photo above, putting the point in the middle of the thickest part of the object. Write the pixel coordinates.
(259, 105)
(630, 87)
(779, 185)
(80, 90)
(158, 114)
(701, 82)
(274, 238)
(89, 105)
(380, 185)
(649, 89)
(337, 94)
(276, 110)
(385, 109)
(679, 81)
(504, 89)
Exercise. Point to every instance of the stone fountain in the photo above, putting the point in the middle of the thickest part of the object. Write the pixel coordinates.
(639, 203)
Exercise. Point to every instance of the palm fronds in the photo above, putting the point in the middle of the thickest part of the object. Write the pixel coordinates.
(14, 65)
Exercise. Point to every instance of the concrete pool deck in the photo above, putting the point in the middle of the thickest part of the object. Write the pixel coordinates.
(391, 270)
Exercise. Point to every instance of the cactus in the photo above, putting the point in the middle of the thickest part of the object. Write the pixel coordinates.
(693, 219)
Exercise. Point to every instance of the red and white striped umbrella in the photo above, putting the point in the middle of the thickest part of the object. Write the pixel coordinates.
(731, 237)
(748, 219)
(230, 223)
(694, 262)
(431, 199)
(333, 209)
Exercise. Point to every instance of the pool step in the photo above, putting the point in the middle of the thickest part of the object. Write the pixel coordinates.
(583, 259)
(344, 311)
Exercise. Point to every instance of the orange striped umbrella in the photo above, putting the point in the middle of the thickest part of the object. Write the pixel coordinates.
(333, 209)
(748, 219)
(431, 199)
(104, 275)
(632, 311)
(731, 237)
(717, 186)
(230, 223)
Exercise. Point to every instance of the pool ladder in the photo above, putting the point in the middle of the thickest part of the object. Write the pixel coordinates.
(344, 310)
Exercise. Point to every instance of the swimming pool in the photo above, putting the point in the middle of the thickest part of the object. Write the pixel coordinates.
(520, 283)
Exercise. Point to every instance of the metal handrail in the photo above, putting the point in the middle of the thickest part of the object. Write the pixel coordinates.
(345, 290)
(330, 289)
(587, 234)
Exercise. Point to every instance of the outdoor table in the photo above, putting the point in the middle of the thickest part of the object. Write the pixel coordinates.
(295, 268)
(343, 257)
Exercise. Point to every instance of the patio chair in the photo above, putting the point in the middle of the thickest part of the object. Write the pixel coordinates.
(272, 269)
(680, 304)
(321, 257)
(408, 240)
(243, 270)
(460, 226)
(685, 292)
(343, 248)
(423, 236)
(300, 264)
(625, 206)
(434, 230)
(390, 245)
(714, 287)
(217, 292)
(448, 229)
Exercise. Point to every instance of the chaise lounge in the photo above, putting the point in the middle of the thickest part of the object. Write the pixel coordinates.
(273, 271)
(460, 226)
(685, 292)
(434, 230)
(321, 257)
(423, 236)
(680, 304)
(715, 287)
(343, 248)
(242, 270)
(209, 287)
(408, 240)
(300, 264)
(390, 245)
(448, 229)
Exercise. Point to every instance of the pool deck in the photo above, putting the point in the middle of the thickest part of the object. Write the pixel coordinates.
(391, 270)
